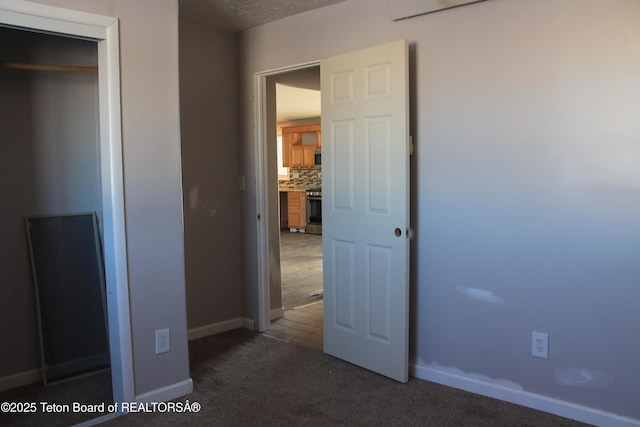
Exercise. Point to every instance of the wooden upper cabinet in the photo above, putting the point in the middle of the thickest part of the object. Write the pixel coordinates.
(299, 144)
(309, 155)
(297, 156)
(287, 143)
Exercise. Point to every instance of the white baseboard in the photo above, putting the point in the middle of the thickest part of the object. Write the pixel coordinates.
(20, 379)
(163, 394)
(248, 324)
(542, 403)
(215, 328)
(277, 313)
(167, 393)
(220, 327)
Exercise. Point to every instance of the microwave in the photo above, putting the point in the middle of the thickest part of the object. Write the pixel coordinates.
(318, 157)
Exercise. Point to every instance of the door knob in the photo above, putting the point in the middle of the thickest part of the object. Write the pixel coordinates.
(398, 232)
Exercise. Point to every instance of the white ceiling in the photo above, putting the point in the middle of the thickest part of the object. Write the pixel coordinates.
(238, 15)
(298, 94)
(294, 103)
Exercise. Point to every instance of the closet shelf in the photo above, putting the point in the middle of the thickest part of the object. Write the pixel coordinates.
(49, 67)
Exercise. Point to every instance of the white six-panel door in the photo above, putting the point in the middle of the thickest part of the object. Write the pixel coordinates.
(365, 181)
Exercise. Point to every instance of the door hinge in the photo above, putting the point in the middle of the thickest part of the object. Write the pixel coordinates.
(411, 147)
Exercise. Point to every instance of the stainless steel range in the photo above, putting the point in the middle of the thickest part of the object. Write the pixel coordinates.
(314, 211)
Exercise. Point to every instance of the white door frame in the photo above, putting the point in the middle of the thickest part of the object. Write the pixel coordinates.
(262, 189)
(104, 30)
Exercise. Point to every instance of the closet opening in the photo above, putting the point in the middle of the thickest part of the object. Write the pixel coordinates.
(47, 185)
(55, 298)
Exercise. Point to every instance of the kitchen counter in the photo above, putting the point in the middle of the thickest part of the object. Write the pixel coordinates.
(293, 188)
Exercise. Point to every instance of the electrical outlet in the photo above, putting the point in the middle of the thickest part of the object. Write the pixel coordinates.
(163, 341)
(540, 345)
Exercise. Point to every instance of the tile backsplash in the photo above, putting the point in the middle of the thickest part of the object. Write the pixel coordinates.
(306, 176)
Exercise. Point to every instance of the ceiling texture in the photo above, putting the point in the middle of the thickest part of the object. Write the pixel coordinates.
(298, 92)
(239, 15)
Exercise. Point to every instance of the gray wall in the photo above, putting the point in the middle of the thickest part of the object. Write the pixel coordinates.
(152, 181)
(209, 123)
(526, 184)
(49, 164)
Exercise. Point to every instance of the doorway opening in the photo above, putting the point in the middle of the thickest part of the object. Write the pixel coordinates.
(292, 150)
(365, 109)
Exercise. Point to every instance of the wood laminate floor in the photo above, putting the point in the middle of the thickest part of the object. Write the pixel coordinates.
(301, 269)
(301, 325)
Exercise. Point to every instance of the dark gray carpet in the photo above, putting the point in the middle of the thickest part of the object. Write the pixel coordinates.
(301, 268)
(242, 378)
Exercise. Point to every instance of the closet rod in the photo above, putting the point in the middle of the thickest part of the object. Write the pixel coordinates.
(45, 67)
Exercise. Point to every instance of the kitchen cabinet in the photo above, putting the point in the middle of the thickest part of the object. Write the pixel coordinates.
(296, 156)
(299, 144)
(289, 140)
(296, 208)
(284, 210)
(303, 156)
(308, 155)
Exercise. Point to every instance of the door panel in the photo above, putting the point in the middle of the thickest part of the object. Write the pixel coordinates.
(366, 193)
(342, 149)
(379, 298)
(344, 303)
(378, 156)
